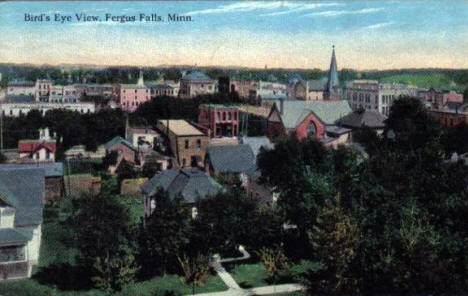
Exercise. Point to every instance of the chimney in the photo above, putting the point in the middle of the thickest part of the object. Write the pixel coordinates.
(281, 106)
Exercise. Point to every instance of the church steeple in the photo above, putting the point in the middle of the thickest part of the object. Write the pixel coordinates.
(333, 83)
(140, 79)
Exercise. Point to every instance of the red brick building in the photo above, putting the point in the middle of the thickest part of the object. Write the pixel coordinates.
(219, 120)
(449, 118)
(439, 99)
(315, 119)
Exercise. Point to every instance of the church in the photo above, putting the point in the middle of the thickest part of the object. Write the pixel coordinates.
(327, 88)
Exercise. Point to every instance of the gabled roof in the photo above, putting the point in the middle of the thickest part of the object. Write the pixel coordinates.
(116, 141)
(191, 184)
(256, 143)
(231, 158)
(11, 236)
(368, 118)
(197, 76)
(31, 146)
(27, 193)
(294, 112)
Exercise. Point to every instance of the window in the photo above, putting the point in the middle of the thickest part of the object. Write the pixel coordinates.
(186, 144)
(48, 155)
(217, 116)
(198, 144)
(229, 116)
(311, 130)
(224, 115)
(14, 253)
(184, 162)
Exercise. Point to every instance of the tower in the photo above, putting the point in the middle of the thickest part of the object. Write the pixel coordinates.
(332, 91)
(140, 79)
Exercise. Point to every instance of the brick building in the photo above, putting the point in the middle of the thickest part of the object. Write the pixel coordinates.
(449, 118)
(439, 98)
(219, 120)
(187, 143)
(133, 95)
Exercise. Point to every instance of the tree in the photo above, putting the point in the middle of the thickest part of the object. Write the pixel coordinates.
(165, 235)
(334, 239)
(104, 236)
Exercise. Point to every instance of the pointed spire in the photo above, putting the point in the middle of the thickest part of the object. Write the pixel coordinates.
(333, 83)
(140, 79)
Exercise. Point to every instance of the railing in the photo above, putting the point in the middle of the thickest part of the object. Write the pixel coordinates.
(12, 270)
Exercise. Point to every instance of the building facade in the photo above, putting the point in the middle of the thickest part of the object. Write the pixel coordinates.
(21, 88)
(372, 95)
(187, 143)
(439, 98)
(18, 109)
(195, 84)
(219, 120)
(133, 95)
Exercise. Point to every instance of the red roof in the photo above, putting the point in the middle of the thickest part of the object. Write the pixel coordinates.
(32, 146)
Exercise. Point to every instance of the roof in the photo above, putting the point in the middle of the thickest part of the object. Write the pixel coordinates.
(160, 86)
(223, 106)
(116, 141)
(51, 169)
(294, 112)
(141, 130)
(11, 236)
(231, 158)
(256, 143)
(359, 118)
(318, 84)
(22, 83)
(181, 127)
(133, 86)
(197, 76)
(333, 82)
(336, 129)
(20, 99)
(31, 146)
(26, 189)
(191, 184)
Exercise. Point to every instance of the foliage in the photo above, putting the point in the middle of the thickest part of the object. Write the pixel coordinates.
(275, 261)
(195, 268)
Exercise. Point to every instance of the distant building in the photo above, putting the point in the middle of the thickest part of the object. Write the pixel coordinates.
(310, 90)
(42, 90)
(17, 109)
(125, 150)
(21, 206)
(187, 143)
(439, 98)
(245, 88)
(164, 88)
(191, 184)
(196, 83)
(267, 91)
(316, 119)
(219, 120)
(449, 118)
(372, 95)
(133, 95)
(224, 85)
(230, 159)
(143, 137)
(20, 88)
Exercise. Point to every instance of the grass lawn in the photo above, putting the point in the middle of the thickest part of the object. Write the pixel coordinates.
(57, 274)
(249, 275)
(435, 80)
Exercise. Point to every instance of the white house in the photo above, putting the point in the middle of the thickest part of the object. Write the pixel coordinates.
(22, 196)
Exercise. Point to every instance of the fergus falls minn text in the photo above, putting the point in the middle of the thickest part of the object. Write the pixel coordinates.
(83, 17)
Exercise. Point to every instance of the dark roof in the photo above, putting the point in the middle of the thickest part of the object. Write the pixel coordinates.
(337, 130)
(22, 83)
(191, 184)
(197, 76)
(51, 169)
(118, 140)
(358, 118)
(25, 189)
(11, 236)
(231, 159)
(257, 142)
(333, 82)
(319, 84)
(20, 99)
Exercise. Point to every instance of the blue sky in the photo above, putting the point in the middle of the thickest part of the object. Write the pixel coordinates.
(290, 34)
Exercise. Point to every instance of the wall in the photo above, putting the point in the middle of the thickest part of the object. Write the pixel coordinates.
(301, 129)
(131, 98)
(123, 150)
(7, 217)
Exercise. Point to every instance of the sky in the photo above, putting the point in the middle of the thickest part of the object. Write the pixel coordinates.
(276, 34)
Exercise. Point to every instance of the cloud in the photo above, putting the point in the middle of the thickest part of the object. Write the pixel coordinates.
(302, 7)
(247, 6)
(379, 25)
(333, 13)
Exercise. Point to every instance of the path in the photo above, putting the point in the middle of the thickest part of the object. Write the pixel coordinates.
(235, 290)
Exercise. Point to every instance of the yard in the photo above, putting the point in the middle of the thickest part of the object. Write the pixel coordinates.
(57, 273)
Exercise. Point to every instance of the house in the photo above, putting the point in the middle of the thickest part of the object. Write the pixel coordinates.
(125, 150)
(164, 88)
(53, 173)
(133, 95)
(187, 143)
(20, 88)
(315, 119)
(196, 83)
(41, 150)
(439, 98)
(21, 206)
(143, 137)
(308, 90)
(363, 117)
(191, 184)
(219, 120)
